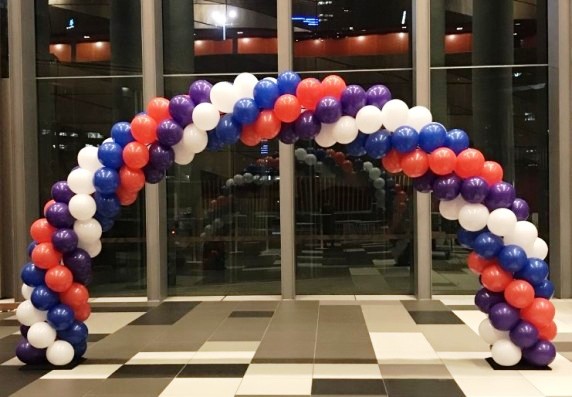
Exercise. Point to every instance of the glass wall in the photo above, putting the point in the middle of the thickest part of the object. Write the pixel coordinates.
(223, 208)
(490, 78)
(89, 77)
(353, 222)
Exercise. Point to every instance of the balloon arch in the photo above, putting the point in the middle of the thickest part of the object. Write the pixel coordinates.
(506, 250)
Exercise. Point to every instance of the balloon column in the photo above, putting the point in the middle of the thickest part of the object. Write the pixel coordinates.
(507, 252)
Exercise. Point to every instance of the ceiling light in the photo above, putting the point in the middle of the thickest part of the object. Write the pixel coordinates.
(459, 28)
(403, 17)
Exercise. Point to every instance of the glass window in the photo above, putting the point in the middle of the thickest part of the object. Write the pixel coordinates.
(86, 37)
(4, 39)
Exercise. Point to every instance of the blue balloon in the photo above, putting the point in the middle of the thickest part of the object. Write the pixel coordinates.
(75, 334)
(467, 238)
(488, 245)
(214, 143)
(512, 258)
(432, 136)
(107, 205)
(111, 155)
(106, 223)
(405, 139)
(32, 275)
(355, 148)
(121, 133)
(378, 144)
(545, 289)
(79, 350)
(535, 271)
(321, 153)
(288, 82)
(457, 140)
(31, 247)
(245, 111)
(106, 180)
(266, 92)
(43, 298)
(61, 317)
(228, 130)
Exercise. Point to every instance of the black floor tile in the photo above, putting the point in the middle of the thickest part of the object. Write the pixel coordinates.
(14, 378)
(166, 313)
(9, 323)
(252, 313)
(120, 309)
(96, 337)
(148, 371)
(435, 317)
(348, 387)
(563, 346)
(422, 388)
(213, 371)
(521, 366)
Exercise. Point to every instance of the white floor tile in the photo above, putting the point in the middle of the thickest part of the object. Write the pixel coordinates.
(8, 300)
(347, 371)
(472, 318)
(13, 362)
(456, 299)
(402, 346)
(557, 382)
(385, 297)
(87, 371)
(325, 297)
(497, 386)
(119, 299)
(463, 367)
(146, 358)
(253, 298)
(225, 353)
(195, 298)
(108, 323)
(269, 379)
(202, 387)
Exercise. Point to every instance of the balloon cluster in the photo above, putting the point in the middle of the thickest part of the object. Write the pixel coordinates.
(507, 254)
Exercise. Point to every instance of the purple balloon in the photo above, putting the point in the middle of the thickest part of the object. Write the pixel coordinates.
(524, 334)
(424, 183)
(24, 330)
(65, 240)
(501, 195)
(447, 187)
(200, 91)
(58, 215)
(161, 157)
(474, 189)
(378, 95)
(181, 109)
(31, 247)
(307, 126)
(79, 263)
(520, 209)
(353, 99)
(485, 299)
(328, 110)
(153, 175)
(61, 192)
(503, 316)
(28, 354)
(287, 134)
(541, 354)
(169, 133)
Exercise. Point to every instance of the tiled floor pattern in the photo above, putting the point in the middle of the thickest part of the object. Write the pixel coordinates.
(314, 346)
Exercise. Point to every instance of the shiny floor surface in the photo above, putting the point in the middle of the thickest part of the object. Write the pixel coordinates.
(338, 346)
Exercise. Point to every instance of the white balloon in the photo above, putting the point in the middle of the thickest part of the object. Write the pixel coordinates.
(326, 137)
(60, 353)
(87, 158)
(82, 207)
(223, 97)
(300, 154)
(183, 155)
(205, 116)
(418, 117)
(490, 334)
(379, 183)
(394, 114)
(87, 231)
(367, 166)
(248, 177)
(501, 221)
(27, 291)
(368, 119)
(311, 159)
(539, 249)
(473, 217)
(92, 248)
(272, 79)
(80, 181)
(523, 234)
(110, 139)
(27, 314)
(41, 335)
(506, 353)
(374, 173)
(449, 209)
(345, 130)
(244, 84)
(194, 138)
(238, 179)
(229, 182)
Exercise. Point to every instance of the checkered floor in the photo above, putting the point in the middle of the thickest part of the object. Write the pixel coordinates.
(262, 346)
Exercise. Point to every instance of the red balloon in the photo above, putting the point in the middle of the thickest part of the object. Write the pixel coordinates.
(415, 163)
(540, 312)
(75, 296)
(477, 263)
(519, 293)
(330, 152)
(126, 197)
(495, 278)
(469, 163)
(41, 231)
(135, 155)
(267, 125)
(339, 157)
(48, 205)
(59, 278)
(131, 179)
(392, 162)
(158, 109)
(287, 108)
(46, 256)
(309, 92)
(548, 332)
(492, 172)
(347, 166)
(82, 312)
(144, 129)
(249, 136)
(442, 161)
(333, 85)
